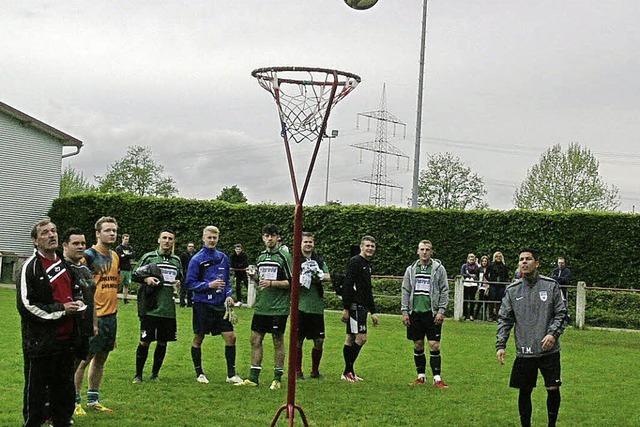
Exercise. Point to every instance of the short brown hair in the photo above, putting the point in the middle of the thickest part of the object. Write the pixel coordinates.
(426, 242)
(105, 219)
(37, 225)
(308, 234)
(367, 238)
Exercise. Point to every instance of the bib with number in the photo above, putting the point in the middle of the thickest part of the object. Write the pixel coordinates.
(268, 272)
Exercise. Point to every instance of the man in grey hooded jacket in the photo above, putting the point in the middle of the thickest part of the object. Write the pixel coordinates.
(535, 306)
(425, 294)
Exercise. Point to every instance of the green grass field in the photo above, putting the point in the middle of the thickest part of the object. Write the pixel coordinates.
(601, 374)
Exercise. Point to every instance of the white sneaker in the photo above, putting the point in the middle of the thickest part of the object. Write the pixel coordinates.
(234, 380)
(238, 304)
(202, 379)
(275, 385)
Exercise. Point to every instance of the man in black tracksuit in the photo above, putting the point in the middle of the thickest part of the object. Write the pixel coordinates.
(46, 304)
(357, 301)
(535, 307)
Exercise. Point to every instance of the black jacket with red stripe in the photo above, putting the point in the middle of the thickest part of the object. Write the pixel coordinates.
(40, 314)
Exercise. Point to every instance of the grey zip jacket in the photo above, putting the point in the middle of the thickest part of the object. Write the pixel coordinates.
(536, 309)
(439, 288)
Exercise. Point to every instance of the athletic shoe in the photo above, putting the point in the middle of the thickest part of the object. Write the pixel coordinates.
(275, 385)
(98, 407)
(357, 378)
(202, 379)
(154, 377)
(419, 381)
(238, 304)
(315, 375)
(300, 375)
(79, 411)
(234, 380)
(136, 380)
(247, 382)
(440, 384)
(348, 377)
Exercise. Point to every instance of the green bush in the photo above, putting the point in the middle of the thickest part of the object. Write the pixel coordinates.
(599, 247)
(613, 309)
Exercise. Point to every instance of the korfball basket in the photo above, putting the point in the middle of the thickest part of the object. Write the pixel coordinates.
(304, 98)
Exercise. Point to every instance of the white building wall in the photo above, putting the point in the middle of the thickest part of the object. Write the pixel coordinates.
(30, 165)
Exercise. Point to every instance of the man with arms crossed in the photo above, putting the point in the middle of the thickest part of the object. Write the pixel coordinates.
(425, 294)
(534, 305)
(313, 272)
(208, 279)
(48, 310)
(272, 306)
(104, 263)
(357, 300)
(156, 307)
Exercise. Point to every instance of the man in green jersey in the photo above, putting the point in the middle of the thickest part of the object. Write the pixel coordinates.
(271, 308)
(313, 271)
(158, 273)
(425, 294)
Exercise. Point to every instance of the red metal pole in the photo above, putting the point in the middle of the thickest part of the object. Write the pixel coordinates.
(293, 333)
(291, 406)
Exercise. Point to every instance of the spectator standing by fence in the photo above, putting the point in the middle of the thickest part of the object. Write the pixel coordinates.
(469, 271)
(125, 253)
(497, 272)
(483, 287)
(185, 293)
(562, 275)
(239, 263)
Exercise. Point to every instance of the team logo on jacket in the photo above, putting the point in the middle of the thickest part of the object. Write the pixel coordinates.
(543, 296)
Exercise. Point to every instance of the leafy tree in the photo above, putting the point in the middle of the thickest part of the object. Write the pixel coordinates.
(74, 182)
(232, 195)
(137, 173)
(446, 183)
(565, 181)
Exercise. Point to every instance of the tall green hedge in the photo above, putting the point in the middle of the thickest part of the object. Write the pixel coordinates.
(599, 247)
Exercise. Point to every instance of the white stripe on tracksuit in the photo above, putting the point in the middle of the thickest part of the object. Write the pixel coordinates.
(35, 310)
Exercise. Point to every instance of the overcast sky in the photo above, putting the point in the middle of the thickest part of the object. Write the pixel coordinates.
(504, 81)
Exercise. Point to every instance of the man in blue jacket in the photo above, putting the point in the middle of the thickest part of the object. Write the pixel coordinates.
(208, 279)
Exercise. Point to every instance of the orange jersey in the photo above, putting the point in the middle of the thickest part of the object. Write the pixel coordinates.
(106, 274)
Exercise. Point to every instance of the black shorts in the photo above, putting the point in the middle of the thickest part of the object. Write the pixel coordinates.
(81, 348)
(154, 328)
(525, 371)
(105, 341)
(310, 325)
(357, 320)
(265, 324)
(209, 319)
(421, 325)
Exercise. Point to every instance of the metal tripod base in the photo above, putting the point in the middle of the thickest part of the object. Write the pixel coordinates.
(290, 413)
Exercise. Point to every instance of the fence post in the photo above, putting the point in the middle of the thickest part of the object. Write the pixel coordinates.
(581, 302)
(458, 299)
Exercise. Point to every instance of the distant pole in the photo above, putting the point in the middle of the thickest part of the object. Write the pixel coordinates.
(334, 133)
(416, 155)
